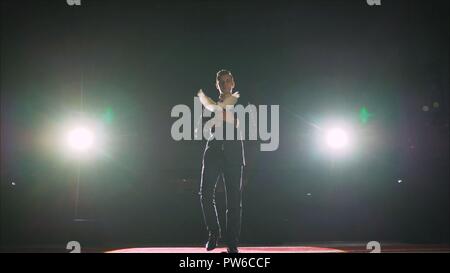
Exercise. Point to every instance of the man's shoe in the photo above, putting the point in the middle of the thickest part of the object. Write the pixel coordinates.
(232, 249)
(212, 243)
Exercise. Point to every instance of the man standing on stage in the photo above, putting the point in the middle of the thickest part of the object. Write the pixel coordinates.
(223, 159)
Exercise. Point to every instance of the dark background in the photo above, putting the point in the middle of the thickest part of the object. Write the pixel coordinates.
(129, 62)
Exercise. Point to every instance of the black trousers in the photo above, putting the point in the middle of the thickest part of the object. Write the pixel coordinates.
(222, 160)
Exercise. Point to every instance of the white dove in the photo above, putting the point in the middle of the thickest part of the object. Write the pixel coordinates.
(211, 105)
(225, 99)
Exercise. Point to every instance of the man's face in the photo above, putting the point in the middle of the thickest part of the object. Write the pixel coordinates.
(225, 84)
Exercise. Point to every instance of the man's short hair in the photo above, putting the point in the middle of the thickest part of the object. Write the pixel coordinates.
(221, 73)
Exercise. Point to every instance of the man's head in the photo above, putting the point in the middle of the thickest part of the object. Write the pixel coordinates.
(224, 81)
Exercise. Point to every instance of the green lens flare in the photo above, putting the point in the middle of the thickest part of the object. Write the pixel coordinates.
(364, 115)
(108, 115)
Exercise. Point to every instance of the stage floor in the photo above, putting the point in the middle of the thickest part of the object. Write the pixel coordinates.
(330, 247)
(284, 249)
(325, 248)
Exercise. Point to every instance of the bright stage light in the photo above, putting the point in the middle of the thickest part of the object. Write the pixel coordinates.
(80, 139)
(337, 139)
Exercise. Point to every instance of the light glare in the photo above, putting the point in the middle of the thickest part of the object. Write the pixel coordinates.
(337, 138)
(80, 139)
